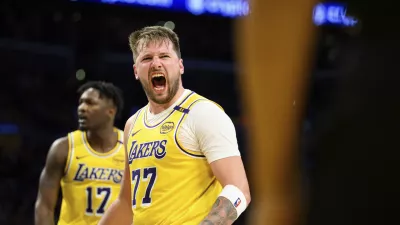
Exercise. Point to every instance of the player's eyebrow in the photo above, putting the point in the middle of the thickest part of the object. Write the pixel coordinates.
(145, 55)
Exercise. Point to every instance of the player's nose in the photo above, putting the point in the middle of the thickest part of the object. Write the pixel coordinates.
(82, 108)
(156, 64)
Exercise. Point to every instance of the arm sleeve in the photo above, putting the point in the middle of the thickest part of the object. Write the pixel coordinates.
(214, 131)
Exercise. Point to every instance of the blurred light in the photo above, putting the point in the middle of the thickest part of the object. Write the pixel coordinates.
(170, 25)
(233, 8)
(225, 8)
(332, 13)
(153, 3)
(9, 128)
(80, 74)
(327, 13)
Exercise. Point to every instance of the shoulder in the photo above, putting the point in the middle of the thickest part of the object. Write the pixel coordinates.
(58, 151)
(207, 117)
(60, 144)
(205, 107)
(214, 130)
(132, 118)
(205, 111)
(130, 122)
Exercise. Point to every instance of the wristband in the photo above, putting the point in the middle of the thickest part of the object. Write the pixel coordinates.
(236, 197)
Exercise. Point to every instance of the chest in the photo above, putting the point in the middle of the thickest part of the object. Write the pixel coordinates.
(88, 168)
(151, 144)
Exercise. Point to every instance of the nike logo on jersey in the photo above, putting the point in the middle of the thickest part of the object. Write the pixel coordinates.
(134, 133)
(82, 156)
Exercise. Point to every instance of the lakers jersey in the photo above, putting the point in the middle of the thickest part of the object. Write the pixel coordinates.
(91, 181)
(171, 185)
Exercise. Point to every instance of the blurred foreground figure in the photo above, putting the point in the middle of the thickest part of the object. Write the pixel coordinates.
(357, 154)
(183, 164)
(88, 163)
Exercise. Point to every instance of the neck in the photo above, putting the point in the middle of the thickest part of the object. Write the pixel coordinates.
(157, 108)
(102, 138)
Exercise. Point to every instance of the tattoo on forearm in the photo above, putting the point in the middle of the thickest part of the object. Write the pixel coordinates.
(222, 213)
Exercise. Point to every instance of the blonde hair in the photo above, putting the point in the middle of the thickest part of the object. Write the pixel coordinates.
(141, 38)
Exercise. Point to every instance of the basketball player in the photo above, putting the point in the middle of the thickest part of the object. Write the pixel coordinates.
(183, 165)
(88, 163)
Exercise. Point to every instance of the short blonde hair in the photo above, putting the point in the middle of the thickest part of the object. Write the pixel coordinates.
(141, 38)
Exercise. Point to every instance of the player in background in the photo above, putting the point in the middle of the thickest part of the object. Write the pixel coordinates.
(88, 163)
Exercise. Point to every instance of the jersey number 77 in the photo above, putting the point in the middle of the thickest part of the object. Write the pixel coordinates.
(148, 175)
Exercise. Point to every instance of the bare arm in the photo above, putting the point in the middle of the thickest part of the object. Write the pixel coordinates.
(120, 212)
(49, 183)
(228, 171)
(216, 136)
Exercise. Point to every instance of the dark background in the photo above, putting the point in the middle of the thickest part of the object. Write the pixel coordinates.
(43, 45)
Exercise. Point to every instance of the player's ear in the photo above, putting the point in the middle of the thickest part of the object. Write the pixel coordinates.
(135, 72)
(112, 111)
(181, 67)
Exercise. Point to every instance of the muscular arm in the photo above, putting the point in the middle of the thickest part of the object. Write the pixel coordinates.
(228, 171)
(223, 212)
(216, 136)
(120, 212)
(49, 183)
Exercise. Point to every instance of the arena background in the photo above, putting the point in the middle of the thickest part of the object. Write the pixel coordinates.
(48, 49)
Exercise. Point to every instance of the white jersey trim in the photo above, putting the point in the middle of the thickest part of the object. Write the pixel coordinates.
(71, 153)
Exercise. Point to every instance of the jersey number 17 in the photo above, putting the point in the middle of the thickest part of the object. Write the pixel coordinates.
(102, 193)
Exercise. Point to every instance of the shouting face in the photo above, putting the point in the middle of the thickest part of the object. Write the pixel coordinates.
(159, 70)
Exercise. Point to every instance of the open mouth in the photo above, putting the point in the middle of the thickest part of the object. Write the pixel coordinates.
(159, 82)
(82, 119)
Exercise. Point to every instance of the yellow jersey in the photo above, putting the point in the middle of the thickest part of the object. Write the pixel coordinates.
(92, 180)
(171, 185)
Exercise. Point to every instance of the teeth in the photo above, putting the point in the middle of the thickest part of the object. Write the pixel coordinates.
(159, 88)
(158, 75)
